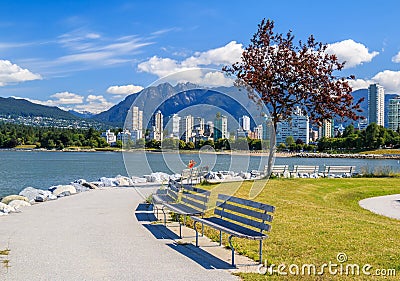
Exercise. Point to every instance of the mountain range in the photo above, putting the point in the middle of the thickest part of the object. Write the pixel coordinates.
(185, 98)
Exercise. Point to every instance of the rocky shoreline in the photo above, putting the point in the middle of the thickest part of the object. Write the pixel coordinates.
(30, 196)
(343, 155)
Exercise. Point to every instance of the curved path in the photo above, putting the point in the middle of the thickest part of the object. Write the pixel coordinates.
(95, 235)
(388, 205)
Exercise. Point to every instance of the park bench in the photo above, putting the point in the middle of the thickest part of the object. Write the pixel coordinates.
(240, 218)
(190, 201)
(300, 170)
(335, 171)
(277, 170)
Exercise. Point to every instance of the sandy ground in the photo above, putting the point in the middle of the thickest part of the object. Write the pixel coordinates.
(388, 206)
(99, 235)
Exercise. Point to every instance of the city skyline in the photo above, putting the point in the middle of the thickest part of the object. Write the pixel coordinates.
(66, 54)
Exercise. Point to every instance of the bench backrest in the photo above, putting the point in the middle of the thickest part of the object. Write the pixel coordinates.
(305, 169)
(194, 197)
(277, 169)
(173, 189)
(248, 213)
(340, 169)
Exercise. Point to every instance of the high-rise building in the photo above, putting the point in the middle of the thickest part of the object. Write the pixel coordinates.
(376, 104)
(220, 127)
(209, 129)
(199, 125)
(244, 123)
(327, 129)
(173, 126)
(296, 126)
(186, 128)
(394, 114)
(157, 128)
(135, 119)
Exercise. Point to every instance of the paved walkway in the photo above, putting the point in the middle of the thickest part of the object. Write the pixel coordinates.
(98, 235)
(388, 206)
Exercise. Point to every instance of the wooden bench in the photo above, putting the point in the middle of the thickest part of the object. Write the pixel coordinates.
(339, 170)
(304, 169)
(192, 202)
(277, 170)
(239, 218)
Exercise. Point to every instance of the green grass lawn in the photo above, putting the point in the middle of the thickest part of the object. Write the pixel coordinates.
(316, 219)
(382, 151)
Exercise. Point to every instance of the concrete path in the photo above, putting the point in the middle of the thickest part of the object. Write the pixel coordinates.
(98, 235)
(388, 206)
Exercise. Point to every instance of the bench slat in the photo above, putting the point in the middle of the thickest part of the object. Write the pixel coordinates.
(244, 211)
(247, 221)
(202, 197)
(246, 202)
(190, 202)
(183, 209)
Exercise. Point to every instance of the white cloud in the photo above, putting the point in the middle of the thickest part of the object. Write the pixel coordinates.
(396, 58)
(67, 98)
(228, 54)
(358, 84)
(189, 69)
(94, 104)
(124, 90)
(389, 79)
(12, 73)
(352, 52)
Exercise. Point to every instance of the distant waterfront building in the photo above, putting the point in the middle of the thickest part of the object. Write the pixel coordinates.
(327, 129)
(209, 129)
(376, 104)
(135, 119)
(186, 125)
(244, 123)
(296, 126)
(258, 132)
(173, 126)
(199, 125)
(394, 114)
(220, 127)
(110, 137)
(157, 128)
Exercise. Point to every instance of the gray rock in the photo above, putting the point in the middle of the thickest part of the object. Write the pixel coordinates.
(64, 193)
(79, 187)
(32, 194)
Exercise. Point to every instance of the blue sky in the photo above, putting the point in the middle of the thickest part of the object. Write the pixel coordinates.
(88, 55)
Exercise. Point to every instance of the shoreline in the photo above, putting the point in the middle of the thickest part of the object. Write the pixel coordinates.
(228, 152)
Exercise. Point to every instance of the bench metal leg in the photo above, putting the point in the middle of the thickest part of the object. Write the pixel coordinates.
(233, 250)
(155, 211)
(220, 238)
(202, 229)
(180, 227)
(197, 234)
(261, 252)
(165, 216)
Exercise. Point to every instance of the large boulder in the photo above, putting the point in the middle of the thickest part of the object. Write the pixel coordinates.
(123, 181)
(79, 188)
(9, 198)
(138, 180)
(17, 204)
(59, 189)
(6, 208)
(3, 214)
(89, 185)
(107, 182)
(37, 195)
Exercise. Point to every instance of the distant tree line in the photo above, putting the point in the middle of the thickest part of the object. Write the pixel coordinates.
(12, 135)
(374, 136)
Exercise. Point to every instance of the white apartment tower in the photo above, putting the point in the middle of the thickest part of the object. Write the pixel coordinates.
(157, 129)
(186, 128)
(296, 126)
(376, 104)
(244, 123)
(394, 114)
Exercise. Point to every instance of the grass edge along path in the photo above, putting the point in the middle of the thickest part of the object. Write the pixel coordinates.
(317, 219)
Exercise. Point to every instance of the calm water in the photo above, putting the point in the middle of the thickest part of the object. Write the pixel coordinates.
(44, 169)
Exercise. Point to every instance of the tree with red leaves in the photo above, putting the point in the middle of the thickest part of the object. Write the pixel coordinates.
(284, 75)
